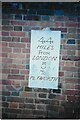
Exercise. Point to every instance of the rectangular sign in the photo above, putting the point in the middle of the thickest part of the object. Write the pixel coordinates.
(44, 59)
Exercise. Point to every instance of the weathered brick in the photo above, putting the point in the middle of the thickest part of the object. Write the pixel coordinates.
(17, 45)
(16, 50)
(17, 28)
(39, 112)
(15, 99)
(42, 101)
(15, 39)
(28, 89)
(18, 17)
(7, 39)
(26, 111)
(18, 77)
(12, 110)
(72, 30)
(28, 106)
(7, 16)
(7, 28)
(41, 107)
(5, 22)
(29, 100)
(42, 95)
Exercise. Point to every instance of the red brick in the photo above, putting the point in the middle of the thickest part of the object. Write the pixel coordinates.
(6, 82)
(69, 63)
(72, 69)
(4, 44)
(27, 56)
(6, 49)
(5, 33)
(31, 23)
(20, 34)
(16, 55)
(77, 87)
(70, 92)
(24, 72)
(72, 98)
(18, 23)
(17, 66)
(13, 105)
(71, 24)
(27, 94)
(14, 71)
(58, 24)
(17, 50)
(17, 45)
(7, 60)
(3, 55)
(18, 77)
(25, 40)
(5, 70)
(7, 39)
(59, 18)
(70, 80)
(26, 50)
(15, 82)
(70, 47)
(55, 102)
(70, 86)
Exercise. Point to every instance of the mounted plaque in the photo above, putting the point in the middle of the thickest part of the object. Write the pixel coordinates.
(44, 59)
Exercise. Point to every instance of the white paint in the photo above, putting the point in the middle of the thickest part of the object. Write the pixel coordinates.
(44, 59)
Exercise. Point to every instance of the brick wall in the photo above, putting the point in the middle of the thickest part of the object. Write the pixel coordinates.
(19, 101)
